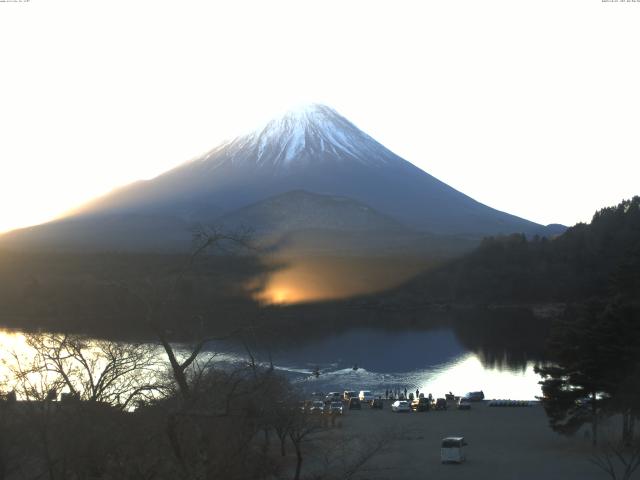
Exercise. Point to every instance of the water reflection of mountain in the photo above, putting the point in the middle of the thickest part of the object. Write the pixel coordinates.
(504, 339)
(508, 338)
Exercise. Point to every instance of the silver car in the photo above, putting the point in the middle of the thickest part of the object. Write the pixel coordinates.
(400, 406)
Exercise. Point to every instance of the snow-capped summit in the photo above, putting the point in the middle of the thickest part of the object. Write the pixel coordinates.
(310, 133)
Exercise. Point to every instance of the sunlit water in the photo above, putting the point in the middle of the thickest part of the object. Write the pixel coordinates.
(432, 361)
(463, 374)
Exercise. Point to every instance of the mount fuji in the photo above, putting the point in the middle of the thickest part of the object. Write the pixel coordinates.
(308, 170)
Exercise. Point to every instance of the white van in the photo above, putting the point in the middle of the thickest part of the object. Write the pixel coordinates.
(452, 450)
(365, 396)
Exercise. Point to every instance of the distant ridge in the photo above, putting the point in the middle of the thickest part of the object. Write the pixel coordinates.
(301, 210)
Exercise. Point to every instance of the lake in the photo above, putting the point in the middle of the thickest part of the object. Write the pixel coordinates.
(432, 360)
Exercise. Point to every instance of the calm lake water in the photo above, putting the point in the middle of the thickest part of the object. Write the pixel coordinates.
(434, 361)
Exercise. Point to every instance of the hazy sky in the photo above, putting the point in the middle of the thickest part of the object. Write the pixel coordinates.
(532, 107)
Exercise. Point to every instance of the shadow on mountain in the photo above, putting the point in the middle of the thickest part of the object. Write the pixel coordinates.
(110, 294)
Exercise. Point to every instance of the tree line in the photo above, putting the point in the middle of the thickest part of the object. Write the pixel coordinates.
(572, 267)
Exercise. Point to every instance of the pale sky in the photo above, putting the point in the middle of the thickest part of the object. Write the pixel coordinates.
(531, 107)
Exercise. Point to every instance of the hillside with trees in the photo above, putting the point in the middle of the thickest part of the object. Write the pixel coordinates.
(587, 261)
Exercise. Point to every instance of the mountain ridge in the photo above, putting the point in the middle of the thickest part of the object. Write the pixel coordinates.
(315, 150)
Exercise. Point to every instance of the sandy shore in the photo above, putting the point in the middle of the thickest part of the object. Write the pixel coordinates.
(504, 443)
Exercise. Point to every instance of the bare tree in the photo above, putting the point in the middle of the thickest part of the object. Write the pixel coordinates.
(190, 363)
(66, 439)
(347, 456)
(303, 426)
(116, 373)
(156, 301)
(283, 415)
(617, 460)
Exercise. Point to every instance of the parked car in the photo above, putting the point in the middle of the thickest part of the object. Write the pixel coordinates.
(400, 406)
(336, 408)
(475, 396)
(348, 394)
(452, 400)
(354, 403)
(464, 405)
(317, 406)
(420, 405)
(441, 404)
(365, 396)
(377, 403)
(333, 397)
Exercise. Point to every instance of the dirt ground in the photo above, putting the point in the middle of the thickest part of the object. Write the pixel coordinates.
(504, 443)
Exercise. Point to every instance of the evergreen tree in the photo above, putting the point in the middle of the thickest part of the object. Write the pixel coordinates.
(595, 369)
(621, 336)
(576, 386)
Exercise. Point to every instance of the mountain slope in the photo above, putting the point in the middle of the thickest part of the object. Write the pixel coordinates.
(319, 151)
(116, 232)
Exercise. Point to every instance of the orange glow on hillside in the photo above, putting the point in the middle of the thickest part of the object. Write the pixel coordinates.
(326, 278)
(281, 295)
